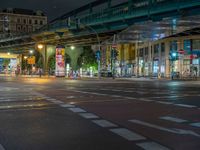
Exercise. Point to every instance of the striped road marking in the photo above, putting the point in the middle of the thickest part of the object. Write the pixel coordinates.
(174, 130)
(104, 123)
(151, 146)
(127, 134)
(67, 105)
(197, 124)
(115, 96)
(184, 105)
(77, 110)
(1, 147)
(173, 119)
(167, 103)
(88, 115)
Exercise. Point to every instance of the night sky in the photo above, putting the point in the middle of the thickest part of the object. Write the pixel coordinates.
(52, 8)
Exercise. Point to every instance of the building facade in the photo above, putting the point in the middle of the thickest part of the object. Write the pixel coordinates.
(14, 21)
(163, 57)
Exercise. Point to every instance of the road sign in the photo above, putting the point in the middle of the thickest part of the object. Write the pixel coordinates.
(31, 60)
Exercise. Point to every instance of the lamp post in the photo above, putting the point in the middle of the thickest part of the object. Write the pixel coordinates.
(98, 40)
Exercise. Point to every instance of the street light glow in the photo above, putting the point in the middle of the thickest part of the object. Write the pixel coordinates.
(25, 57)
(40, 46)
(174, 54)
(72, 47)
(31, 51)
(8, 53)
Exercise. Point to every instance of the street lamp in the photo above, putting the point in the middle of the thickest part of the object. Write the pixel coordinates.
(72, 47)
(98, 39)
(40, 46)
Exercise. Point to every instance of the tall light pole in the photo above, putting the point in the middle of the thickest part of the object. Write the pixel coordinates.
(98, 40)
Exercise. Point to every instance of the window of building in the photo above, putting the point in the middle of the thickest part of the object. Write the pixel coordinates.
(195, 44)
(36, 22)
(156, 48)
(162, 47)
(30, 21)
(24, 21)
(18, 20)
(141, 52)
(41, 22)
(173, 46)
(187, 45)
(146, 50)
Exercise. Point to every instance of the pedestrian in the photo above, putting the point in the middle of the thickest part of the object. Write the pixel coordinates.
(40, 72)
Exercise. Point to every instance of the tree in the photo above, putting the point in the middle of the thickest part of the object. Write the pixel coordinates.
(87, 58)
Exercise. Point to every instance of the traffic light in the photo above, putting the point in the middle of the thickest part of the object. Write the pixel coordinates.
(98, 55)
(174, 56)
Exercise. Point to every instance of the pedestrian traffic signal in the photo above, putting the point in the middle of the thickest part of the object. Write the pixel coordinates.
(98, 55)
(173, 56)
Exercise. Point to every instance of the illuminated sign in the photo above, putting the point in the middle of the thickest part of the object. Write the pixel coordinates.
(31, 60)
(60, 61)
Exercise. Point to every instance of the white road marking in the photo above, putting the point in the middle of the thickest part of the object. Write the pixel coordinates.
(151, 146)
(88, 115)
(173, 119)
(145, 100)
(197, 124)
(167, 103)
(174, 130)
(127, 134)
(115, 96)
(70, 97)
(57, 102)
(104, 123)
(77, 110)
(184, 105)
(100, 94)
(67, 105)
(1, 147)
(129, 97)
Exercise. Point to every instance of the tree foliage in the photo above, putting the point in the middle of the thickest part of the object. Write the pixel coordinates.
(87, 58)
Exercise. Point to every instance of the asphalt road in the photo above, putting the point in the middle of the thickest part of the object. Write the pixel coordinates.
(59, 114)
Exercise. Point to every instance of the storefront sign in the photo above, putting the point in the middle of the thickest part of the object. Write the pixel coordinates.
(60, 61)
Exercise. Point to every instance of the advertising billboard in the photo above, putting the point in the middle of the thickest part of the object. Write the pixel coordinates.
(60, 61)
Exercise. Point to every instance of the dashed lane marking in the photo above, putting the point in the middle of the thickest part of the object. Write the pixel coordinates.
(77, 110)
(104, 123)
(151, 146)
(1, 147)
(196, 124)
(127, 134)
(174, 130)
(184, 105)
(88, 115)
(173, 119)
(67, 105)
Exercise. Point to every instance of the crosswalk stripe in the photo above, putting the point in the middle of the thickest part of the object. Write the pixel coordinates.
(184, 105)
(104, 123)
(89, 115)
(67, 105)
(196, 124)
(77, 110)
(173, 119)
(127, 134)
(151, 146)
(1, 147)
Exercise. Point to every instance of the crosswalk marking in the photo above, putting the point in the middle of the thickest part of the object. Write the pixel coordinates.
(104, 123)
(77, 110)
(88, 115)
(184, 105)
(67, 105)
(173, 119)
(162, 102)
(1, 147)
(151, 146)
(127, 134)
(196, 124)
(174, 130)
